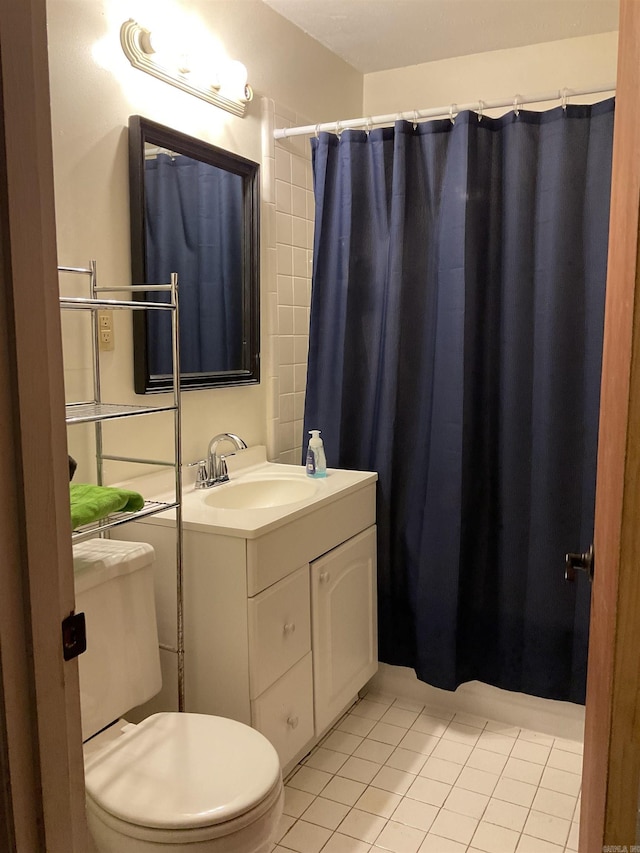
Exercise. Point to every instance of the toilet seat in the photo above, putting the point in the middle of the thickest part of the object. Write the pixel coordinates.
(184, 772)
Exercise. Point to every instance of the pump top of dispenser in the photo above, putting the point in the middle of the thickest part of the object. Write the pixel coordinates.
(315, 439)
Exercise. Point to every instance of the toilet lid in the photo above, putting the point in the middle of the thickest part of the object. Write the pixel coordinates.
(176, 771)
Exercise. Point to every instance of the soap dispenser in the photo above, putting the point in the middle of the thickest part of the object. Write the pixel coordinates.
(316, 461)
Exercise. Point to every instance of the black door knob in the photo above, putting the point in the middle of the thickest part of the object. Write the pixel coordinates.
(579, 562)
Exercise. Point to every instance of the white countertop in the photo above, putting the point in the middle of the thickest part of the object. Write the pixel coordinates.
(246, 466)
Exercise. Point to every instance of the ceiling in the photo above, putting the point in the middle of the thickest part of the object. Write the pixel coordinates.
(375, 35)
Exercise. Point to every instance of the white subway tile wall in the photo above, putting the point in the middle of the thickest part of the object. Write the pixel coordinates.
(396, 776)
(287, 246)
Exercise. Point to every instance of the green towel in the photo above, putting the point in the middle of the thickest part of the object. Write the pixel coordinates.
(91, 503)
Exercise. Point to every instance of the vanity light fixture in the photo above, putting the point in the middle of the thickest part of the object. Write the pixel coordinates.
(229, 91)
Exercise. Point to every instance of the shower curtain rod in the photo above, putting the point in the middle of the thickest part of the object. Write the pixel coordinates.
(451, 110)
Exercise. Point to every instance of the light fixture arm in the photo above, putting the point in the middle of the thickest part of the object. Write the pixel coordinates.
(133, 38)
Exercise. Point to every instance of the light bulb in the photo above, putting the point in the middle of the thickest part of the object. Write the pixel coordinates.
(232, 77)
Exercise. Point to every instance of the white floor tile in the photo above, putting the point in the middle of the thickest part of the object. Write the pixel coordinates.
(441, 770)
(343, 790)
(284, 825)
(549, 828)
(496, 742)
(560, 780)
(523, 771)
(369, 708)
(379, 802)
(327, 813)
(536, 737)
(504, 814)
(462, 734)
(429, 791)
(529, 844)
(494, 839)
(339, 843)
(377, 696)
(451, 751)
(430, 725)
(537, 753)
(386, 733)
(400, 838)
(355, 725)
(406, 759)
(438, 844)
(414, 813)
(409, 705)
(470, 720)
(358, 769)
(373, 750)
(562, 760)
(419, 742)
(326, 759)
(512, 791)
(390, 779)
(295, 802)
(438, 711)
(576, 814)
(482, 759)
(477, 780)
(306, 837)
(554, 803)
(342, 742)
(456, 827)
(574, 833)
(362, 825)
(569, 745)
(309, 779)
(502, 729)
(466, 803)
(399, 717)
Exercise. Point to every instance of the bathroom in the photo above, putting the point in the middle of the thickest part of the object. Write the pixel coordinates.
(94, 91)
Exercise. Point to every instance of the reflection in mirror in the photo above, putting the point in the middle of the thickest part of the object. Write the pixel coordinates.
(194, 211)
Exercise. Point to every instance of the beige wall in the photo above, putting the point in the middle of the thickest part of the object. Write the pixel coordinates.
(94, 90)
(575, 63)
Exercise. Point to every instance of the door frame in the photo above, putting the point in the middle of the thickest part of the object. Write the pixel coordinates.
(42, 784)
(611, 768)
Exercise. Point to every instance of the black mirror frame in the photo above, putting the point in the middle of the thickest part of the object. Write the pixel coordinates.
(141, 131)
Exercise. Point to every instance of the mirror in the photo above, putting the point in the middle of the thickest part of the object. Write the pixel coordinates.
(194, 211)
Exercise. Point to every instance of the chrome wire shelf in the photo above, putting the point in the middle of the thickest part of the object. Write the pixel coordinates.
(82, 413)
(87, 531)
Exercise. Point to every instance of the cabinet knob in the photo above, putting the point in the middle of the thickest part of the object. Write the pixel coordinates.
(292, 722)
(325, 577)
(289, 628)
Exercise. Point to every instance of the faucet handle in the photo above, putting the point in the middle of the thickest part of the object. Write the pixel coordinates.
(202, 476)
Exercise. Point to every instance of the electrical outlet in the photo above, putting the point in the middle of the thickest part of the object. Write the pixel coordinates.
(105, 329)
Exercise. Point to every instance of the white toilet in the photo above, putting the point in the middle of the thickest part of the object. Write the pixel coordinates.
(174, 782)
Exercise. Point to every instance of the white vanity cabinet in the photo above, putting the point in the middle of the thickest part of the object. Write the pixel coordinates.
(279, 626)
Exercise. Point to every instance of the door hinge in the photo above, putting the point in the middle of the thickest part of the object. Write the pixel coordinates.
(74, 636)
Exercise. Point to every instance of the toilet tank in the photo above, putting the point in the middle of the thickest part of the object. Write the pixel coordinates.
(121, 666)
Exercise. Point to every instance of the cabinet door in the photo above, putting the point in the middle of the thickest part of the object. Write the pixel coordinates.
(344, 624)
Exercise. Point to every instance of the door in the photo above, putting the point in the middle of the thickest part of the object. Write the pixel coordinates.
(611, 769)
(344, 624)
(40, 742)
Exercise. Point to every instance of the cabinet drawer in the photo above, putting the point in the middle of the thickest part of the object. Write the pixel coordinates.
(284, 713)
(279, 630)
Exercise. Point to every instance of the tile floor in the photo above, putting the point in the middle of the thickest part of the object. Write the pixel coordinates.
(396, 776)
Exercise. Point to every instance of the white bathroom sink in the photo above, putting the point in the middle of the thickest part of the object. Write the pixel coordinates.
(261, 494)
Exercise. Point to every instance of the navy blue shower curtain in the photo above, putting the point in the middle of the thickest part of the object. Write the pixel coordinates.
(455, 348)
(191, 215)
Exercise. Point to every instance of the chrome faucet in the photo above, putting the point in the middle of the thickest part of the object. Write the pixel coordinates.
(217, 464)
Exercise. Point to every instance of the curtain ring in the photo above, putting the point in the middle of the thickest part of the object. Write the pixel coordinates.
(563, 95)
(480, 110)
(452, 117)
(368, 125)
(415, 119)
(339, 129)
(516, 107)
(317, 131)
